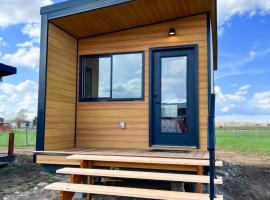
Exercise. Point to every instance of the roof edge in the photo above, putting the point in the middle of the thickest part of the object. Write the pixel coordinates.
(72, 7)
(6, 70)
(63, 5)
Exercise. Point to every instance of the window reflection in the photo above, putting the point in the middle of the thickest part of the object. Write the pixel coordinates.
(127, 76)
(97, 77)
(173, 94)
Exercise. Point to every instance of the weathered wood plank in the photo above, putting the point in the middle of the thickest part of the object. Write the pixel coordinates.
(128, 192)
(139, 175)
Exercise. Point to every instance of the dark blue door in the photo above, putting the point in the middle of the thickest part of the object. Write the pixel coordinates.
(174, 108)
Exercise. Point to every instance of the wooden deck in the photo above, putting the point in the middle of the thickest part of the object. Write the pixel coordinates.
(59, 157)
(158, 153)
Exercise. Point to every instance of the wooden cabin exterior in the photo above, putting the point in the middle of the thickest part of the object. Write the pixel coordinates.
(127, 78)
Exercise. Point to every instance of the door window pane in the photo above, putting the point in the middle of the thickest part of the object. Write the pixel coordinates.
(97, 77)
(174, 94)
(127, 76)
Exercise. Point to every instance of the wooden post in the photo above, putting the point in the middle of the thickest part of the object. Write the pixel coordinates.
(199, 185)
(66, 195)
(87, 164)
(89, 181)
(73, 179)
(11, 144)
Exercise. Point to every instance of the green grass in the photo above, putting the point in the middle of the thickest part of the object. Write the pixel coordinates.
(20, 138)
(245, 141)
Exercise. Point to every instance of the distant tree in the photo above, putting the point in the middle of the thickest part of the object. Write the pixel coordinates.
(20, 117)
(34, 121)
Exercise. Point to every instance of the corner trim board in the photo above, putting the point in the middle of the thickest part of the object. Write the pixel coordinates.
(42, 83)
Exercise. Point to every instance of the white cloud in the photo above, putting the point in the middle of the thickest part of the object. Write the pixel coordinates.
(32, 30)
(15, 97)
(244, 88)
(228, 8)
(2, 42)
(261, 100)
(242, 103)
(23, 12)
(228, 102)
(25, 56)
(25, 44)
(234, 61)
(20, 11)
(242, 64)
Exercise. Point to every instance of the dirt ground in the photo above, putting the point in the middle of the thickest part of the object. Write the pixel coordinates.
(246, 177)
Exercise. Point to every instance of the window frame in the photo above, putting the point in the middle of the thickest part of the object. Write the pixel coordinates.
(109, 99)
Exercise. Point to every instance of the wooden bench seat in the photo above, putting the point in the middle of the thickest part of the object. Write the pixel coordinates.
(128, 192)
(148, 160)
(139, 175)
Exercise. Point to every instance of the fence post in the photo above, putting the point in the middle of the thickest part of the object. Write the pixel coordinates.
(26, 136)
(11, 144)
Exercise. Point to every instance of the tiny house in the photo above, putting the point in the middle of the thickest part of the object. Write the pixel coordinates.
(128, 84)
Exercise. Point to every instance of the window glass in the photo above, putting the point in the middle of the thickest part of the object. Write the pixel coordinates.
(127, 76)
(173, 94)
(97, 77)
(112, 77)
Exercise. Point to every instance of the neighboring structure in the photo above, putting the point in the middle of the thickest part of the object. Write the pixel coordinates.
(6, 70)
(129, 84)
(4, 127)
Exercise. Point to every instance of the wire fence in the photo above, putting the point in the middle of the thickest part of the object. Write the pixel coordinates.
(243, 130)
(24, 137)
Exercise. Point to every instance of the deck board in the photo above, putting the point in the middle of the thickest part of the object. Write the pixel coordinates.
(144, 160)
(132, 174)
(187, 154)
(128, 192)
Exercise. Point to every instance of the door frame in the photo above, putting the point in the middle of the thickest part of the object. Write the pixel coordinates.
(151, 95)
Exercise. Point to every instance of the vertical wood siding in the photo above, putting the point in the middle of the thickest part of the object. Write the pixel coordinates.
(60, 90)
(98, 122)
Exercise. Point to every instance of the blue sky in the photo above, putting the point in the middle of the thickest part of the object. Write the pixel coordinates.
(242, 81)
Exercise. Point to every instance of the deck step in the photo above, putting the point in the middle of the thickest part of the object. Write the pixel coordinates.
(147, 160)
(139, 175)
(128, 192)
